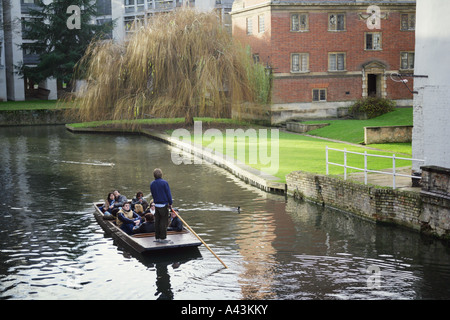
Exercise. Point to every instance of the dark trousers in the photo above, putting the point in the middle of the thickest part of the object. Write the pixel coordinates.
(161, 222)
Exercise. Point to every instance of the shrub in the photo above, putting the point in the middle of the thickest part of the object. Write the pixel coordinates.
(372, 107)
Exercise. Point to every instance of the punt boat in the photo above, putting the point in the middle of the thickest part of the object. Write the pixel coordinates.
(145, 242)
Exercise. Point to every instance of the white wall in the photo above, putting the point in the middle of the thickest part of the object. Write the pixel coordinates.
(117, 10)
(3, 95)
(205, 5)
(431, 133)
(13, 53)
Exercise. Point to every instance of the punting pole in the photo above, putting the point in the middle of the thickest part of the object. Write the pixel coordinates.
(190, 229)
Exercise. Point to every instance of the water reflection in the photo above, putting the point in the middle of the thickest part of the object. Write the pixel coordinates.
(52, 248)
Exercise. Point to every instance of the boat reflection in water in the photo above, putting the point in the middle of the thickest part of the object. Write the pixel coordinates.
(163, 263)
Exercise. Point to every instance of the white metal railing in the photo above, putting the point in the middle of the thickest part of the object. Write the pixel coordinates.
(365, 154)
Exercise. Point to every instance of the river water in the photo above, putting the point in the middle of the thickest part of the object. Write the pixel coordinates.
(275, 248)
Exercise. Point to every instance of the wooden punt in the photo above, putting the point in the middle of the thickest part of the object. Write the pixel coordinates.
(145, 242)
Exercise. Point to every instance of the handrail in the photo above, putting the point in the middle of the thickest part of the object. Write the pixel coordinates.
(365, 169)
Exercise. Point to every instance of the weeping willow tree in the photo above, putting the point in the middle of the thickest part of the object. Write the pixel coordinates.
(180, 64)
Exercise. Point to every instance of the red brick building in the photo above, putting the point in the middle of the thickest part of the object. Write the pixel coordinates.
(326, 54)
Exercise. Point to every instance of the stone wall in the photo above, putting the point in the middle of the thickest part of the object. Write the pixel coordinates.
(387, 134)
(370, 202)
(303, 127)
(33, 117)
(436, 199)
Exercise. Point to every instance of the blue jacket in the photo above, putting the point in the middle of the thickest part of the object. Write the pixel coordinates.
(161, 192)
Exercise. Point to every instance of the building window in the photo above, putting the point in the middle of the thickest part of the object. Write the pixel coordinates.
(249, 26)
(319, 95)
(299, 22)
(406, 60)
(255, 57)
(299, 62)
(373, 40)
(261, 27)
(336, 22)
(129, 6)
(336, 61)
(132, 22)
(408, 21)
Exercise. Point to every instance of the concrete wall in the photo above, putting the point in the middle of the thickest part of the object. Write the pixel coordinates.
(387, 134)
(432, 103)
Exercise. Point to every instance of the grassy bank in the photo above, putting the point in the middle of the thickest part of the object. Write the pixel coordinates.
(298, 152)
(33, 105)
(353, 130)
(295, 152)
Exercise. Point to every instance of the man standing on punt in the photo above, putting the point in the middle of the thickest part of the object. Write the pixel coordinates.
(162, 198)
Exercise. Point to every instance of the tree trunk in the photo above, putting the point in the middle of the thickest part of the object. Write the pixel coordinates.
(189, 117)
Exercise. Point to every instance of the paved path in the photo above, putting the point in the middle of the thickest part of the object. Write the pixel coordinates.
(385, 180)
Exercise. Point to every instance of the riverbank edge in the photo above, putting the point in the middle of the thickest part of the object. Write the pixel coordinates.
(34, 117)
(244, 172)
(427, 211)
(378, 204)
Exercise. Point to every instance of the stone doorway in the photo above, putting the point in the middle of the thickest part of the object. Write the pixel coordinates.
(374, 80)
(374, 85)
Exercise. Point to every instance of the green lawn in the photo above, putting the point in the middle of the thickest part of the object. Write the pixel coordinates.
(353, 130)
(32, 105)
(300, 152)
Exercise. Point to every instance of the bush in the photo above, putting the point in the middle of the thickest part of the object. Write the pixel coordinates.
(372, 107)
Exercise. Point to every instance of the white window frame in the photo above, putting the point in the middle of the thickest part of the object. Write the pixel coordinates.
(299, 62)
(376, 41)
(261, 24)
(249, 25)
(300, 27)
(334, 26)
(410, 55)
(334, 63)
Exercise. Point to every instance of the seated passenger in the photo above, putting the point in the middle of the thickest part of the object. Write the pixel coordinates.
(109, 204)
(152, 209)
(120, 200)
(147, 227)
(126, 219)
(175, 224)
(139, 204)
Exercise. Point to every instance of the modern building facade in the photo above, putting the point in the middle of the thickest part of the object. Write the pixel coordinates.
(123, 12)
(326, 54)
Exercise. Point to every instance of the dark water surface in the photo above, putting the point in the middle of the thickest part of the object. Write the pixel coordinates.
(52, 248)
